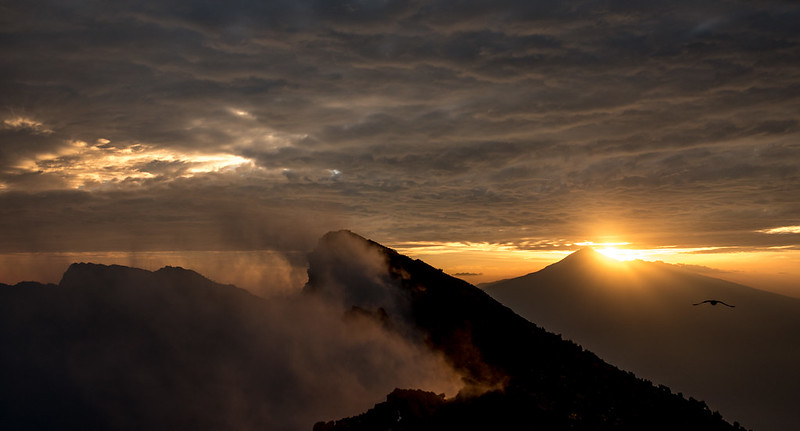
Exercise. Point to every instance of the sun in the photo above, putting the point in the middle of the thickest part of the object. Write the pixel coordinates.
(614, 251)
(620, 254)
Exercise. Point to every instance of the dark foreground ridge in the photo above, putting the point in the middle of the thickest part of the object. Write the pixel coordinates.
(518, 375)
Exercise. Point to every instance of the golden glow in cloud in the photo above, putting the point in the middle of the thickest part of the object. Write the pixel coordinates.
(20, 122)
(76, 163)
(83, 164)
(241, 113)
(783, 229)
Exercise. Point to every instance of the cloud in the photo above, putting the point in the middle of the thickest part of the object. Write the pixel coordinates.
(167, 217)
(781, 230)
(446, 122)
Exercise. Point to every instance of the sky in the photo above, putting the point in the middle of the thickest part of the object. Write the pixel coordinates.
(489, 138)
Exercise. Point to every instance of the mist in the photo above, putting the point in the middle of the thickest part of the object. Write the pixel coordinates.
(138, 349)
(322, 365)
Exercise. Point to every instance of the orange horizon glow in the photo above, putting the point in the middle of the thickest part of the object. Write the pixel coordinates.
(772, 269)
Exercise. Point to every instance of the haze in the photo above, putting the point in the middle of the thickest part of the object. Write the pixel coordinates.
(488, 138)
(741, 358)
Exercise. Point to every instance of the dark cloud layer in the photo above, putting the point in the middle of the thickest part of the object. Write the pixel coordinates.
(407, 120)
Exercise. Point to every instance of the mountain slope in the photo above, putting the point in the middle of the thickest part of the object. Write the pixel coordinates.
(639, 315)
(517, 373)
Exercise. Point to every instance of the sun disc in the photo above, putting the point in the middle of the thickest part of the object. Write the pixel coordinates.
(619, 254)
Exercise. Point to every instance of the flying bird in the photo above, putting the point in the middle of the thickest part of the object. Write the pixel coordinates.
(715, 302)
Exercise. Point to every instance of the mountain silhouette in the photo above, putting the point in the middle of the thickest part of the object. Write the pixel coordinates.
(112, 347)
(89, 352)
(640, 316)
(516, 373)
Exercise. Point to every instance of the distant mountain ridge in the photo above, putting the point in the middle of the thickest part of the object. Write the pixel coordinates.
(639, 315)
(88, 352)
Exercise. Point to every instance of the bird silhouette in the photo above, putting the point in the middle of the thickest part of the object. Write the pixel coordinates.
(715, 302)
